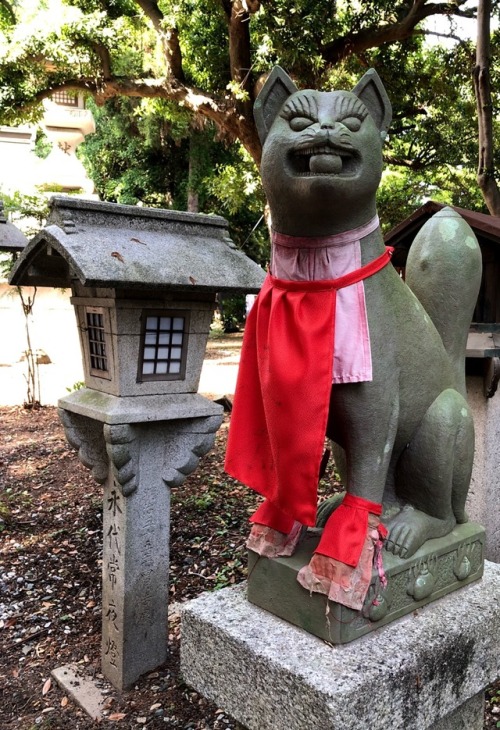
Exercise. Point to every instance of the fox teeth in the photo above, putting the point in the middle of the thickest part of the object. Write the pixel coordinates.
(325, 150)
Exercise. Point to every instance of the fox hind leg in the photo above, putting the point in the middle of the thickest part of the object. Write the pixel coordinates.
(433, 475)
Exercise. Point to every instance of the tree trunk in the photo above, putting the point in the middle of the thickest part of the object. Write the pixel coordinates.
(482, 87)
(192, 202)
(193, 173)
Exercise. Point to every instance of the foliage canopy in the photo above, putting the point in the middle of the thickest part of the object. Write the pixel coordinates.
(173, 78)
(209, 57)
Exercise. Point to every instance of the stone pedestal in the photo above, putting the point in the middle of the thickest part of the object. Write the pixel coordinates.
(439, 567)
(138, 452)
(483, 501)
(425, 670)
(135, 568)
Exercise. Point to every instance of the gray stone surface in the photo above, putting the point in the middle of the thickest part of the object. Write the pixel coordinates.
(82, 688)
(483, 501)
(408, 433)
(123, 348)
(469, 716)
(12, 239)
(138, 463)
(106, 244)
(135, 570)
(146, 460)
(410, 675)
(139, 434)
(112, 409)
(440, 566)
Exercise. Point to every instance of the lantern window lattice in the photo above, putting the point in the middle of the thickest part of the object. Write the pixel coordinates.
(97, 341)
(63, 98)
(164, 345)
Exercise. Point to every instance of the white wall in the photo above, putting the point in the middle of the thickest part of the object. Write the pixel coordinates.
(53, 330)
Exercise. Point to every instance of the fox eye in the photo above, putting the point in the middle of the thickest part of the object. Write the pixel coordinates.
(352, 123)
(297, 124)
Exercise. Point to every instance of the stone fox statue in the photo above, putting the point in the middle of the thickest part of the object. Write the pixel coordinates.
(338, 344)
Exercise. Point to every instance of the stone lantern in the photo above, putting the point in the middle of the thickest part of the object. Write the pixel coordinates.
(12, 240)
(143, 283)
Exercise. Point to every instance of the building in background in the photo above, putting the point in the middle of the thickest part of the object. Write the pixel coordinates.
(66, 123)
(53, 331)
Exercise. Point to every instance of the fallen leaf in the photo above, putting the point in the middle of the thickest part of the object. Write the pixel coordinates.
(46, 687)
(136, 240)
(117, 716)
(64, 701)
(118, 256)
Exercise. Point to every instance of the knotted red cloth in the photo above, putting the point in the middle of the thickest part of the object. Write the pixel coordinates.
(345, 531)
(280, 410)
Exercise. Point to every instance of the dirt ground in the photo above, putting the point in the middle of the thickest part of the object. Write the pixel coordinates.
(50, 565)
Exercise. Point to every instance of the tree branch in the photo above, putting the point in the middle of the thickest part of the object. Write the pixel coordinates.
(151, 9)
(482, 88)
(5, 4)
(239, 43)
(104, 56)
(375, 36)
(222, 113)
(169, 38)
(240, 63)
(226, 6)
(451, 36)
(173, 55)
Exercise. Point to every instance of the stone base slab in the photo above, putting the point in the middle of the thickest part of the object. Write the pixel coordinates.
(425, 670)
(85, 690)
(437, 568)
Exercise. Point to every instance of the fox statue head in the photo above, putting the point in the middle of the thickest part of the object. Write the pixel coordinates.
(322, 153)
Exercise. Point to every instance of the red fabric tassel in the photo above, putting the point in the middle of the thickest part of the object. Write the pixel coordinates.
(346, 529)
(280, 410)
(270, 516)
(343, 583)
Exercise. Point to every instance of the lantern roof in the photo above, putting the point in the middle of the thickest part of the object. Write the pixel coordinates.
(12, 240)
(130, 247)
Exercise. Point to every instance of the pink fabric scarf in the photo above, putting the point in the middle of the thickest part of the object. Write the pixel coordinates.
(330, 257)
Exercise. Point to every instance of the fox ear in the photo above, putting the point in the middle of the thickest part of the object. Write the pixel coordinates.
(372, 93)
(278, 87)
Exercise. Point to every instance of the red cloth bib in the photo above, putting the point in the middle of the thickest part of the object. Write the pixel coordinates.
(280, 410)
